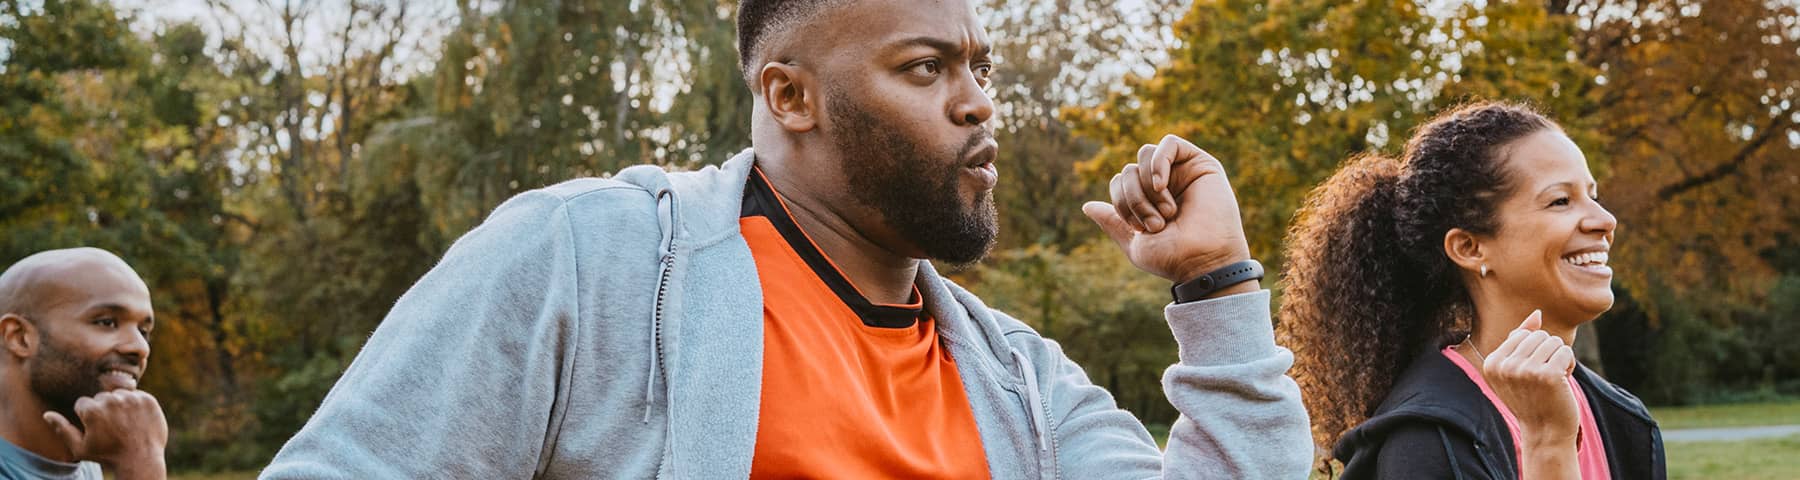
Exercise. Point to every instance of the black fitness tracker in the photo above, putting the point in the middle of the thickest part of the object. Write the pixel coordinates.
(1216, 280)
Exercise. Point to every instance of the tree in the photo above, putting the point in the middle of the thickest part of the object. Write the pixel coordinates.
(1677, 132)
(1284, 92)
(1105, 313)
(116, 149)
(326, 249)
(532, 94)
(1053, 268)
(1700, 116)
(1697, 118)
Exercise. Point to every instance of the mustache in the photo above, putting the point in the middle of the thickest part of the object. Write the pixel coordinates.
(120, 360)
(981, 136)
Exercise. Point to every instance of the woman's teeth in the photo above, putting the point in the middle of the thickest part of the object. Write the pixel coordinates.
(1586, 259)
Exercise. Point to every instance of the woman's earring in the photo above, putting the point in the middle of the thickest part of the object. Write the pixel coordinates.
(1483, 270)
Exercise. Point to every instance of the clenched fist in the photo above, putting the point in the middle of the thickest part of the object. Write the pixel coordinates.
(1530, 374)
(1173, 212)
(124, 431)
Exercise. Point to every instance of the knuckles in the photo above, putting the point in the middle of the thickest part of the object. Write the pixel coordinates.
(116, 400)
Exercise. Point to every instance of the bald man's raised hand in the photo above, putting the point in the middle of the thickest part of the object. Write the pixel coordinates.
(1174, 213)
(125, 432)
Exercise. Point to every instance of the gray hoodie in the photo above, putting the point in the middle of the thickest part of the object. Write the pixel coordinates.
(612, 328)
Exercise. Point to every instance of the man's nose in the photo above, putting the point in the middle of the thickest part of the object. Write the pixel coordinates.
(972, 106)
(136, 346)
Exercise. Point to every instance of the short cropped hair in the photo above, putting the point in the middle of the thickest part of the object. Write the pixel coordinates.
(758, 21)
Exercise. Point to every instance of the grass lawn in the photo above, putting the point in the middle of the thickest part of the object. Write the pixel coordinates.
(1769, 458)
(1728, 415)
(1776, 458)
(1765, 458)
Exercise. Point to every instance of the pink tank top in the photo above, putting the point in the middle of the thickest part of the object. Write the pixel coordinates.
(1590, 452)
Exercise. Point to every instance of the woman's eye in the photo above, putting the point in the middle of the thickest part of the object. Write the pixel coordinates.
(106, 322)
(1560, 202)
(984, 71)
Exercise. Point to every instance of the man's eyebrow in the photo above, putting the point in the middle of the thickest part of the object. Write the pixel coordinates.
(113, 308)
(940, 44)
(110, 307)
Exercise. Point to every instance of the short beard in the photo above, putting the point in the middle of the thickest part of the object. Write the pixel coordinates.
(59, 378)
(913, 188)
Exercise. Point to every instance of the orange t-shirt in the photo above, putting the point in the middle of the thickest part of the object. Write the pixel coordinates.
(850, 389)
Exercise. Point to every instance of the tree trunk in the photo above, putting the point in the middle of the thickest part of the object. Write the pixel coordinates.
(1587, 347)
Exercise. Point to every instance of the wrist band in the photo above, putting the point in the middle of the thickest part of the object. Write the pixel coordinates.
(1216, 280)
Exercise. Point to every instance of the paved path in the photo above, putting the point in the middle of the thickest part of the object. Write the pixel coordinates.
(1728, 434)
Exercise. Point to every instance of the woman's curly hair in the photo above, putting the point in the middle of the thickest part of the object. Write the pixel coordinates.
(1368, 285)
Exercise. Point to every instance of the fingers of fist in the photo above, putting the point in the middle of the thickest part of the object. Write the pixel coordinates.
(1532, 356)
(1137, 197)
(114, 422)
(116, 402)
(1145, 193)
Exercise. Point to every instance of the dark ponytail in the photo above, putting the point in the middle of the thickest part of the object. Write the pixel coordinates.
(1368, 285)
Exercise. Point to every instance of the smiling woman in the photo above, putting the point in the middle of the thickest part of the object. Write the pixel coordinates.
(1487, 235)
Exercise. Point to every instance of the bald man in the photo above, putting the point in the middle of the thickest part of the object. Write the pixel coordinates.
(75, 331)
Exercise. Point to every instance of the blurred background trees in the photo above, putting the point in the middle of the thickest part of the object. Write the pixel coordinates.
(281, 171)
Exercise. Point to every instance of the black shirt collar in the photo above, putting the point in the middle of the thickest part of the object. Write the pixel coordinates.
(761, 200)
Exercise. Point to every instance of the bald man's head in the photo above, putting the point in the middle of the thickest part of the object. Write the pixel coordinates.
(73, 323)
(53, 275)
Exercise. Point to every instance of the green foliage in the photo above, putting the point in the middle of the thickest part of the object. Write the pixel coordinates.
(535, 94)
(112, 147)
(1282, 92)
(1048, 270)
(1092, 301)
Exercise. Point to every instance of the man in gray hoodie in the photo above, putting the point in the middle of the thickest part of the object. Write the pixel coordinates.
(775, 317)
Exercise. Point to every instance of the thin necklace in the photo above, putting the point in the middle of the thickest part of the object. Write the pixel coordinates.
(1472, 347)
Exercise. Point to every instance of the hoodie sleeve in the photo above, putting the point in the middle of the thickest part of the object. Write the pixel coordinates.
(460, 378)
(1241, 416)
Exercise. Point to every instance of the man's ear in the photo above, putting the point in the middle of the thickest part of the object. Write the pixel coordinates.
(1465, 250)
(791, 95)
(18, 336)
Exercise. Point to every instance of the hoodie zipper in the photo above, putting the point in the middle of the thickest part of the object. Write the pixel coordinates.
(656, 341)
(665, 210)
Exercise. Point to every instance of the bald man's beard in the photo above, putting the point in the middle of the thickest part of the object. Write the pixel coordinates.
(59, 378)
(912, 187)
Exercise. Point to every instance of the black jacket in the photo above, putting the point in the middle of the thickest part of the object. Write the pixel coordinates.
(1435, 423)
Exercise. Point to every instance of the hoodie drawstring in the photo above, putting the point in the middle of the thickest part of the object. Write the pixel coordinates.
(1034, 406)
